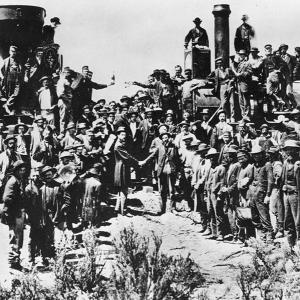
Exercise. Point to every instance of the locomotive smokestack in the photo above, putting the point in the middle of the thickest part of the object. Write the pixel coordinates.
(221, 13)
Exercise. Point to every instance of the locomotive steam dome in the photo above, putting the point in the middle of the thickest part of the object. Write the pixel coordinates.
(20, 25)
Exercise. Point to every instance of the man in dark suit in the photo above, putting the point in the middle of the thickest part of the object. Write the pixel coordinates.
(82, 87)
(243, 36)
(49, 31)
(198, 35)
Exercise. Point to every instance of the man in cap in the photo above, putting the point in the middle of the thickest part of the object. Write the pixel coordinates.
(12, 80)
(243, 73)
(243, 36)
(49, 31)
(87, 116)
(260, 191)
(14, 212)
(245, 135)
(291, 191)
(265, 139)
(197, 35)
(228, 141)
(184, 133)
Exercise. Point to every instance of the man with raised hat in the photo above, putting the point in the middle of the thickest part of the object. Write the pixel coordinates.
(260, 191)
(210, 196)
(291, 191)
(14, 211)
(197, 35)
(243, 35)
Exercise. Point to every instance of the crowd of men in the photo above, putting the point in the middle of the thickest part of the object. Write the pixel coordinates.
(243, 180)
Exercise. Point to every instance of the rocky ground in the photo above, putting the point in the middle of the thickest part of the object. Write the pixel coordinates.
(180, 236)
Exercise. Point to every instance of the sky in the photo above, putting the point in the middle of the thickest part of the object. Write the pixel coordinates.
(130, 38)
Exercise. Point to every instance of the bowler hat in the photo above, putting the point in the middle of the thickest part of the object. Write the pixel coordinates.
(197, 20)
(212, 152)
(55, 20)
(268, 46)
(254, 49)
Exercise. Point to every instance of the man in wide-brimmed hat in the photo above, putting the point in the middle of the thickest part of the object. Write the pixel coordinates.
(243, 35)
(260, 191)
(13, 211)
(197, 35)
(291, 190)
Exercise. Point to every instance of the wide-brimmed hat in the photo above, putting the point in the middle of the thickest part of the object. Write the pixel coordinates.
(195, 143)
(212, 152)
(257, 149)
(55, 20)
(46, 169)
(197, 20)
(283, 46)
(291, 144)
(202, 148)
(8, 138)
(20, 125)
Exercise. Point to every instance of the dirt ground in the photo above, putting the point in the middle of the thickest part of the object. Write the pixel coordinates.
(180, 236)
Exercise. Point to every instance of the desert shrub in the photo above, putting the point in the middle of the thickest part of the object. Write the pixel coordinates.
(142, 271)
